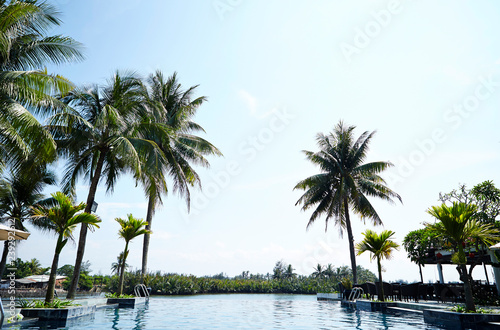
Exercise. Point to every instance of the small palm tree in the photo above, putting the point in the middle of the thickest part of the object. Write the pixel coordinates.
(456, 224)
(130, 229)
(345, 182)
(380, 246)
(63, 217)
(289, 272)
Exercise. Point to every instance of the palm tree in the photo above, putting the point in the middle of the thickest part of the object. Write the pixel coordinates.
(289, 272)
(18, 193)
(63, 217)
(345, 182)
(95, 134)
(115, 266)
(25, 49)
(169, 123)
(380, 246)
(456, 224)
(319, 272)
(130, 229)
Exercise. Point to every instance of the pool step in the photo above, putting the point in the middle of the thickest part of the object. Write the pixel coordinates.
(399, 309)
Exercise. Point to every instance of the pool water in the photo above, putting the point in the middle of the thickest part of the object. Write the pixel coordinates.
(242, 311)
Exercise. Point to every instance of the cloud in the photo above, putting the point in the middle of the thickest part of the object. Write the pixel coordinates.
(251, 103)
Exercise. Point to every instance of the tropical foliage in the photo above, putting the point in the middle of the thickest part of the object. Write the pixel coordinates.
(457, 223)
(62, 218)
(345, 182)
(130, 229)
(168, 121)
(380, 247)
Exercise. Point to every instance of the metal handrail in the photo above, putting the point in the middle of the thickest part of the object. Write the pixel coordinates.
(356, 293)
(140, 289)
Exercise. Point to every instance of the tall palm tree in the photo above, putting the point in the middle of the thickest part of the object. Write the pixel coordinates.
(345, 182)
(380, 247)
(95, 133)
(169, 123)
(19, 191)
(130, 229)
(25, 49)
(63, 217)
(457, 223)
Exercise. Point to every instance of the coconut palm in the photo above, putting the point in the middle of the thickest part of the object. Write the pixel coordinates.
(130, 229)
(169, 123)
(289, 272)
(95, 134)
(345, 182)
(63, 217)
(319, 272)
(457, 223)
(25, 49)
(19, 191)
(380, 247)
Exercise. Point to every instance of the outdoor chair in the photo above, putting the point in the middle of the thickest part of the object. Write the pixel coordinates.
(410, 291)
(396, 291)
(387, 290)
(371, 289)
(444, 293)
(423, 291)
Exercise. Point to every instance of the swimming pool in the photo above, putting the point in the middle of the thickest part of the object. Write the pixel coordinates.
(244, 311)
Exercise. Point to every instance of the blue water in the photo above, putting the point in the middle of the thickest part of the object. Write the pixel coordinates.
(242, 311)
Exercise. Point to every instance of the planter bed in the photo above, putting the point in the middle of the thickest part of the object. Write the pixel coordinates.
(58, 314)
(127, 302)
(460, 320)
(373, 306)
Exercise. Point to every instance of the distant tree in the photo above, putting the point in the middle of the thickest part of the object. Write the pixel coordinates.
(115, 266)
(26, 268)
(289, 274)
(329, 271)
(279, 270)
(319, 272)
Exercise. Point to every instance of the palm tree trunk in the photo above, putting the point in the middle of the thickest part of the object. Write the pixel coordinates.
(350, 237)
(469, 299)
(421, 276)
(145, 246)
(380, 280)
(83, 231)
(3, 262)
(122, 273)
(51, 286)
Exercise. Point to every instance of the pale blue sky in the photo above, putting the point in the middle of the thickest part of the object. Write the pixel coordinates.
(424, 74)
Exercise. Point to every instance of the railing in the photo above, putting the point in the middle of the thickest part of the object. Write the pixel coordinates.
(356, 293)
(140, 290)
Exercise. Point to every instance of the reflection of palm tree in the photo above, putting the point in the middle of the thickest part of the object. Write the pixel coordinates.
(380, 246)
(95, 136)
(130, 229)
(169, 119)
(345, 182)
(456, 224)
(63, 219)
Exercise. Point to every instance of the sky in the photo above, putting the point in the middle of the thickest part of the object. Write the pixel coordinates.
(423, 74)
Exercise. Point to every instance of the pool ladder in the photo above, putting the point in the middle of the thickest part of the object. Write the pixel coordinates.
(140, 290)
(356, 293)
